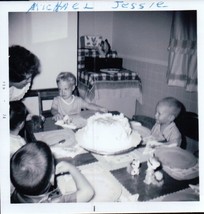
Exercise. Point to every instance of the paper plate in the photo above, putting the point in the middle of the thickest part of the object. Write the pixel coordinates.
(106, 187)
(110, 70)
(77, 122)
(110, 153)
(66, 136)
(64, 125)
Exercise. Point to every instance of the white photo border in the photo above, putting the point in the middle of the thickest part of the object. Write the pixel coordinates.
(51, 6)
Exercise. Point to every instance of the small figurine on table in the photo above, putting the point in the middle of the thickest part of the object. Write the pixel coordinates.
(134, 167)
(153, 174)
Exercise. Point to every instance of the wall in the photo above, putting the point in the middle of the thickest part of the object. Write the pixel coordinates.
(154, 86)
(53, 38)
(142, 39)
(96, 23)
(101, 23)
(142, 35)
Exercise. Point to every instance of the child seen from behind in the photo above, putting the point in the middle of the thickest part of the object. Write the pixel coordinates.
(33, 173)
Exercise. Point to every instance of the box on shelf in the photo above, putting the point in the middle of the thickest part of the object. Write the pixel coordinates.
(91, 42)
(97, 63)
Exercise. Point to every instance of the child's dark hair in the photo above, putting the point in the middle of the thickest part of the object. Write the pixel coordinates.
(173, 104)
(31, 168)
(66, 76)
(18, 114)
(21, 63)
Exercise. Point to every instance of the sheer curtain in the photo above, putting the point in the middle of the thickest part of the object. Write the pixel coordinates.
(182, 64)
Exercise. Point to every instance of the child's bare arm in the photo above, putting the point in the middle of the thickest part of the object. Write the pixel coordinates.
(92, 106)
(56, 115)
(154, 143)
(84, 190)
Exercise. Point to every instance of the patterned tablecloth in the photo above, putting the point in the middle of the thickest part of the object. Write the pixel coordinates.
(117, 180)
(123, 83)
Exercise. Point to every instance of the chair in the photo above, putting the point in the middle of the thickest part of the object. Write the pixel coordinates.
(187, 123)
(45, 95)
(49, 94)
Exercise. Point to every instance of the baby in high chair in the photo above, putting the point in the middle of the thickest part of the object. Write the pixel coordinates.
(67, 103)
(165, 131)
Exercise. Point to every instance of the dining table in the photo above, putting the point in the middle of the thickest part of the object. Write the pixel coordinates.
(109, 174)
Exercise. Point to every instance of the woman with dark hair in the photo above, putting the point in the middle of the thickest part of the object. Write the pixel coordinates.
(33, 174)
(23, 67)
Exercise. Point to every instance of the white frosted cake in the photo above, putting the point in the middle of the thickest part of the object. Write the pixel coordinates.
(107, 134)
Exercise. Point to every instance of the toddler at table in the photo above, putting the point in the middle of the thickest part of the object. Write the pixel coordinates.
(33, 173)
(165, 131)
(18, 114)
(66, 103)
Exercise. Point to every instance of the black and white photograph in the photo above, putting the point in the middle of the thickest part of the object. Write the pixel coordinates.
(101, 108)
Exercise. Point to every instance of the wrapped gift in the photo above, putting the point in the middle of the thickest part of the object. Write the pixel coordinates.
(91, 42)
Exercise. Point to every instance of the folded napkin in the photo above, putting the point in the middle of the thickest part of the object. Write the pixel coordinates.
(62, 152)
(72, 121)
(64, 125)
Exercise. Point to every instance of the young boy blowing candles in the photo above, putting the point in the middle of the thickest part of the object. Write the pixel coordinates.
(66, 103)
(165, 132)
(33, 172)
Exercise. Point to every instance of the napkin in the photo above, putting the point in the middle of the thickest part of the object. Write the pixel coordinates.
(62, 152)
(64, 125)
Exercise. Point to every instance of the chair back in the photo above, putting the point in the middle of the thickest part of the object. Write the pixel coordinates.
(45, 95)
(187, 123)
(49, 94)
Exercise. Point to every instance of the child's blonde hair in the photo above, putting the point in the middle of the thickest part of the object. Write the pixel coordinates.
(173, 104)
(66, 76)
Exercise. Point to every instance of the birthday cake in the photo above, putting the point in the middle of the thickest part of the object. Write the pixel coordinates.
(107, 134)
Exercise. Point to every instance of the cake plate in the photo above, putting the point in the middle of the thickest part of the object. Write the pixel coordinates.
(110, 153)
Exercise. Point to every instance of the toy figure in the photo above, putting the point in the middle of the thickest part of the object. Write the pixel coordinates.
(134, 167)
(153, 175)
